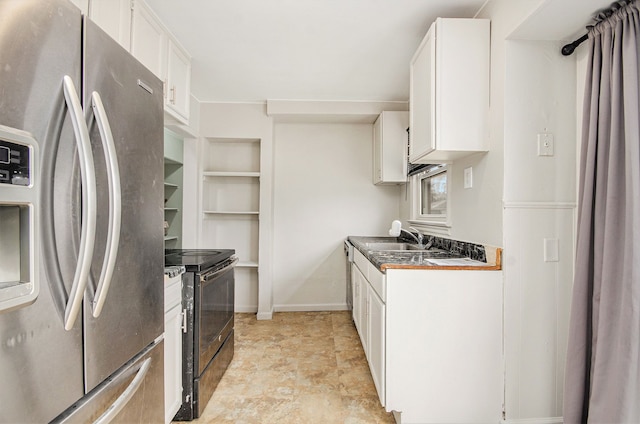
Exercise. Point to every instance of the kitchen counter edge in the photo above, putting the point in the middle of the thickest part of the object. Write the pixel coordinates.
(493, 255)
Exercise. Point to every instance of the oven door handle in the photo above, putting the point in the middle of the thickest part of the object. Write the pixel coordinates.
(211, 275)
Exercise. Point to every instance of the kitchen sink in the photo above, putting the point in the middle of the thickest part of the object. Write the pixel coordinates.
(391, 246)
(396, 246)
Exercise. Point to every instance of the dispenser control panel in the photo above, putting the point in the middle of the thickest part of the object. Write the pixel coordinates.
(19, 216)
(14, 163)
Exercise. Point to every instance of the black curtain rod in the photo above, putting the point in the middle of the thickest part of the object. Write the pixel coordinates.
(601, 15)
(567, 49)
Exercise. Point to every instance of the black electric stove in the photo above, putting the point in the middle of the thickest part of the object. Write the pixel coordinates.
(196, 260)
(208, 297)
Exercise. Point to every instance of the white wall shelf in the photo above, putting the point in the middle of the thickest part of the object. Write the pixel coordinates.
(230, 208)
(231, 174)
(231, 212)
(173, 176)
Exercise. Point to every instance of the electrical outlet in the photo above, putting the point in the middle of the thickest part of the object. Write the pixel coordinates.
(551, 250)
(545, 144)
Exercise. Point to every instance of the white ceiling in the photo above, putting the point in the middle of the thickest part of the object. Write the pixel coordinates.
(254, 50)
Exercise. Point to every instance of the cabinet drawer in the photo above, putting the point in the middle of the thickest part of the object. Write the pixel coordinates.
(371, 274)
(377, 282)
(172, 295)
(361, 261)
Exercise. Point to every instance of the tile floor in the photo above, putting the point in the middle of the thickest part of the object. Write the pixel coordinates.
(299, 367)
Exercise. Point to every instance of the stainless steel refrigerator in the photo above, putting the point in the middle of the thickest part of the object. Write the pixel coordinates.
(81, 212)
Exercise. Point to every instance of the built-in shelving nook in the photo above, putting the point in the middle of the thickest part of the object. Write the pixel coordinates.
(173, 174)
(231, 207)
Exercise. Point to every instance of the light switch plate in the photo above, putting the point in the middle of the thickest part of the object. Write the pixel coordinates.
(468, 177)
(545, 144)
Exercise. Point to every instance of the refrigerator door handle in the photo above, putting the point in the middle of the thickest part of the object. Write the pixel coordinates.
(126, 395)
(115, 203)
(88, 178)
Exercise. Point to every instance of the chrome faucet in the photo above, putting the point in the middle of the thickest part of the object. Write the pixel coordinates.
(417, 238)
(396, 229)
(420, 238)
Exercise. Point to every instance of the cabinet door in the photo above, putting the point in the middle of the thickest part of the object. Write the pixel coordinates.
(376, 339)
(422, 98)
(356, 284)
(390, 148)
(172, 362)
(178, 82)
(377, 150)
(114, 17)
(148, 40)
(364, 314)
(83, 5)
(360, 305)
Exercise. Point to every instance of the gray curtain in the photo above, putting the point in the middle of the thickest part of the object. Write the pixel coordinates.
(602, 381)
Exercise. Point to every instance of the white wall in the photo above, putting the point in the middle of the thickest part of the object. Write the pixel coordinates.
(235, 120)
(476, 213)
(318, 180)
(539, 205)
(323, 192)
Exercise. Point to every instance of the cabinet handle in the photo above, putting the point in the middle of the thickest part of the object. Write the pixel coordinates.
(184, 321)
(173, 95)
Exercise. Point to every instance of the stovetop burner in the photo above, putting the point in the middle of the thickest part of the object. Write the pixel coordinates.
(196, 259)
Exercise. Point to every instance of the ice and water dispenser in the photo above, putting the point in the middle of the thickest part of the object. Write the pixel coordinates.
(19, 196)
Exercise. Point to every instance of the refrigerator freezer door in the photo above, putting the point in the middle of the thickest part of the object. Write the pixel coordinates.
(132, 315)
(40, 41)
(124, 398)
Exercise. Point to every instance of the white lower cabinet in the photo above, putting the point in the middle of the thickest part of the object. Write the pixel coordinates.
(376, 325)
(172, 347)
(369, 317)
(433, 340)
(359, 304)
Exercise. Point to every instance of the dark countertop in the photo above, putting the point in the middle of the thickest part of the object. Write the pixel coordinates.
(433, 259)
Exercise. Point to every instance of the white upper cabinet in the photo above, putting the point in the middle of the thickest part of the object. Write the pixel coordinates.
(149, 40)
(83, 5)
(449, 91)
(178, 87)
(158, 50)
(114, 17)
(390, 148)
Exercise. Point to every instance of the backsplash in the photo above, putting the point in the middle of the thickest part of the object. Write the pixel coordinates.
(471, 250)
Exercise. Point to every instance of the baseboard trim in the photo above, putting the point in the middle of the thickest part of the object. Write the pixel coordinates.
(547, 420)
(311, 307)
(246, 309)
(264, 315)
